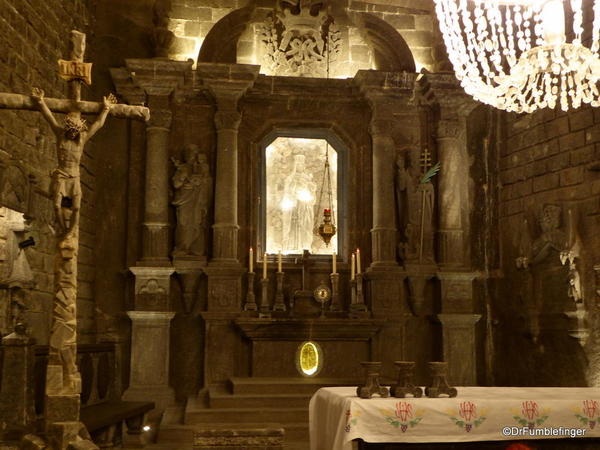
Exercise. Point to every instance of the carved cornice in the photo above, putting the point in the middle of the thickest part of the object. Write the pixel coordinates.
(227, 82)
(144, 77)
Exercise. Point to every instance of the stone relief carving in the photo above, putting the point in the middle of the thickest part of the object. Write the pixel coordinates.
(552, 239)
(294, 171)
(300, 39)
(152, 294)
(162, 37)
(415, 203)
(193, 193)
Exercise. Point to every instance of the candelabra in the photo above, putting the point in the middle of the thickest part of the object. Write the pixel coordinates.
(250, 304)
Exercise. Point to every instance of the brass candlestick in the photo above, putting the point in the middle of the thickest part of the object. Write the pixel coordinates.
(279, 304)
(439, 384)
(372, 385)
(264, 309)
(250, 304)
(358, 299)
(405, 385)
(335, 295)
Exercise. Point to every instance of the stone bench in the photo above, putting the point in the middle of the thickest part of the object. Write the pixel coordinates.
(104, 421)
(246, 438)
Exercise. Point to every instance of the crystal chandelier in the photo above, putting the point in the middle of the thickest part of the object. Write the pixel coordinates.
(514, 54)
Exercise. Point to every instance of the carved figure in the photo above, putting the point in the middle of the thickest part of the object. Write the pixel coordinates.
(415, 200)
(300, 39)
(193, 192)
(70, 141)
(298, 208)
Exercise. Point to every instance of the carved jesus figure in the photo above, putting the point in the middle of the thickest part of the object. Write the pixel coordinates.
(70, 142)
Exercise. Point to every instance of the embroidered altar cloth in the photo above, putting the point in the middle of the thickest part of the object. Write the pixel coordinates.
(338, 416)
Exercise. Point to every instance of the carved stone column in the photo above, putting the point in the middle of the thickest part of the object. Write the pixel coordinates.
(452, 176)
(156, 82)
(383, 234)
(155, 229)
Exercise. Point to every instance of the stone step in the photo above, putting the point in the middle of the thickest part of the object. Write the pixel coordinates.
(279, 386)
(180, 437)
(246, 415)
(220, 400)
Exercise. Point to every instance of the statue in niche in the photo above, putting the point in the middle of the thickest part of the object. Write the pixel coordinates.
(193, 192)
(415, 198)
(297, 208)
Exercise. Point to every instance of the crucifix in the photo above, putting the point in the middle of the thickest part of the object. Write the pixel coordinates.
(63, 382)
(306, 263)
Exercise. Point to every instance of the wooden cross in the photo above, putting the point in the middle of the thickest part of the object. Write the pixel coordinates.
(306, 263)
(63, 379)
(425, 161)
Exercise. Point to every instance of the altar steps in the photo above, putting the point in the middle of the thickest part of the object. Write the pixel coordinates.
(219, 401)
(269, 386)
(247, 415)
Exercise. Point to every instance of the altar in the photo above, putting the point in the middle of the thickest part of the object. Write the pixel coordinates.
(477, 414)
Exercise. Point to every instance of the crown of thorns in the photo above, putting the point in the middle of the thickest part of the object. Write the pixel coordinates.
(75, 123)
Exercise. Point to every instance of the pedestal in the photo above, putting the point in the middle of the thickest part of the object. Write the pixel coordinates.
(189, 269)
(16, 397)
(150, 344)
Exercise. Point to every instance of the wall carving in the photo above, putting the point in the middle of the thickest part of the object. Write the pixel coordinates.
(300, 39)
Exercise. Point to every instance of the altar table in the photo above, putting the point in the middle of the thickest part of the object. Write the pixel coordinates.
(338, 416)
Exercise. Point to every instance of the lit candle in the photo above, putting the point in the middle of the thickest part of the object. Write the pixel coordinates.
(358, 261)
(279, 262)
(251, 257)
(353, 267)
(265, 267)
(334, 262)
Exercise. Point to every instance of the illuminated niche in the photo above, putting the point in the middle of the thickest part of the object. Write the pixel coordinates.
(294, 175)
(309, 359)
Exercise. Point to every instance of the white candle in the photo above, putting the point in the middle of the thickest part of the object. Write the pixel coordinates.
(265, 267)
(358, 261)
(334, 262)
(279, 262)
(251, 257)
(353, 267)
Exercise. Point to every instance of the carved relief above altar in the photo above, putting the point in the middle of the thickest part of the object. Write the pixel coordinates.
(293, 176)
(300, 39)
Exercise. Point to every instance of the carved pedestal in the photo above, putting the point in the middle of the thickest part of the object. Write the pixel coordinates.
(16, 396)
(150, 344)
(189, 270)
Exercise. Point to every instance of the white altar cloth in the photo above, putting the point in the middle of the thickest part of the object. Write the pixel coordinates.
(338, 416)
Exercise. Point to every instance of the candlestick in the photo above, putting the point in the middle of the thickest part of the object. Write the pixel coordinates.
(251, 257)
(264, 309)
(279, 262)
(358, 261)
(265, 266)
(353, 267)
(279, 304)
(335, 296)
(334, 263)
(250, 298)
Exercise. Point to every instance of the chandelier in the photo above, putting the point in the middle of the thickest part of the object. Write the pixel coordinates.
(515, 54)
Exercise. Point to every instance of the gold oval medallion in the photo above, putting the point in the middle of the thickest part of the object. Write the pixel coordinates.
(309, 358)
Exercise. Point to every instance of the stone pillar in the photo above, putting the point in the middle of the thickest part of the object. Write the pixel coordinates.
(383, 234)
(225, 228)
(16, 397)
(155, 229)
(453, 175)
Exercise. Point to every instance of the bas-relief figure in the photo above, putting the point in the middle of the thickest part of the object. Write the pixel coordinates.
(415, 202)
(298, 203)
(193, 192)
(294, 171)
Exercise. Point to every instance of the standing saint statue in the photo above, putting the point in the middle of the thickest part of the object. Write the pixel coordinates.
(297, 208)
(193, 192)
(415, 200)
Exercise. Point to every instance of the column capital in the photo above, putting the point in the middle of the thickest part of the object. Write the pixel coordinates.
(381, 127)
(227, 120)
(160, 118)
(227, 82)
(459, 320)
